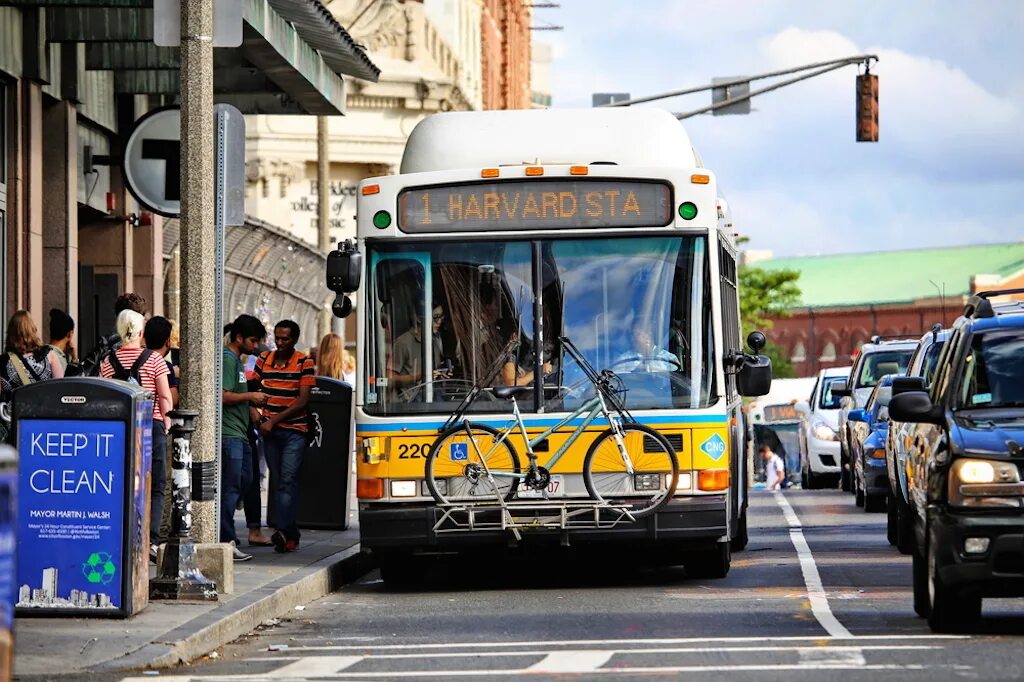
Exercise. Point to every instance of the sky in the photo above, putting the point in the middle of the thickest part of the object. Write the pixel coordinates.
(948, 169)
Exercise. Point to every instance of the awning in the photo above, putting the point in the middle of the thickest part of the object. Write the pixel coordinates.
(268, 273)
(292, 59)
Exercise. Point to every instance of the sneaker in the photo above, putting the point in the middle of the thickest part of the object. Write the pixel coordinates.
(291, 546)
(152, 554)
(238, 554)
(280, 544)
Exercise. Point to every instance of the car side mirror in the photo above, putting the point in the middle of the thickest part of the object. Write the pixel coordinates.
(857, 416)
(907, 384)
(839, 389)
(755, 375)
(344, 268)
(802, 407)
(916, 407)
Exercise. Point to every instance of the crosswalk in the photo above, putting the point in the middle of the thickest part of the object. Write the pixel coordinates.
(909, 656)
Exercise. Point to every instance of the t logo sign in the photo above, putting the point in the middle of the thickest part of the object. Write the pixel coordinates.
(168, 151)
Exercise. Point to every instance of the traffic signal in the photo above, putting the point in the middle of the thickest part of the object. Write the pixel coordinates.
(867, 108)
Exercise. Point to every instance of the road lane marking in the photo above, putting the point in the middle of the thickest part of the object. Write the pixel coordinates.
(812, 579)
(314, 666)
(571, 662)
(842, 655)
(606, 642)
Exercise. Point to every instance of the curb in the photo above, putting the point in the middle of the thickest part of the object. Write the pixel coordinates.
(222, 625)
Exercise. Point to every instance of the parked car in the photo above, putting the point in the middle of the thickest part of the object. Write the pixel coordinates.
(881, 356)
(919, 373)
(869, 427)
(966, 485)
(819, 426)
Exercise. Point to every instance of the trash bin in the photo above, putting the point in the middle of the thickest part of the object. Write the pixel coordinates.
(324, 478)
(8, 591)
(84, 451)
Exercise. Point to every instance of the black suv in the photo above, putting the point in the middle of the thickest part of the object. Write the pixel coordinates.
(966, 464)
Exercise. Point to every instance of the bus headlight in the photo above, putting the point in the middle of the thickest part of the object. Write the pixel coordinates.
(646, 482)
(685, 482)
(403, 488)
(985, 483)
(441, 483)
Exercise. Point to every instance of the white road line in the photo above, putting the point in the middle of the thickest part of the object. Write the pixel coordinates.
(314, 666)
(571, 662)
(812, 579)
(605, 642)
(843, 655)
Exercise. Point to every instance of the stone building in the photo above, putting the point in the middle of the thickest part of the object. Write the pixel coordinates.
(505, 39)
(846, 299)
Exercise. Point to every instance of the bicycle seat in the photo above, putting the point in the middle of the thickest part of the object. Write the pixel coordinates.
(506, 392)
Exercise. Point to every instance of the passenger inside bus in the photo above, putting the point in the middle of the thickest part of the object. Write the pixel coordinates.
(518, 368)
(406, 376)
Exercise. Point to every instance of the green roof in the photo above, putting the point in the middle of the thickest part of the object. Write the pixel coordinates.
(855, 279)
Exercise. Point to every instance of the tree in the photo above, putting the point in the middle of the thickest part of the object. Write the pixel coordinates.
(765, 294)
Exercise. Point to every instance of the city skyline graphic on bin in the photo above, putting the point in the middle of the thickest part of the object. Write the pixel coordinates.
(47, 594)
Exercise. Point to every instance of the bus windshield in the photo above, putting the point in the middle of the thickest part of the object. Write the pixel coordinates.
(446, 316)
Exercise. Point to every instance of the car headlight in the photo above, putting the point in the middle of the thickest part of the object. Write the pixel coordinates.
(823, 431)
(985, 483)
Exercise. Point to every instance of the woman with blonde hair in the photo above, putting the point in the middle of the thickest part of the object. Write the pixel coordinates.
(144, 366)
(329, 357)
(26, 360)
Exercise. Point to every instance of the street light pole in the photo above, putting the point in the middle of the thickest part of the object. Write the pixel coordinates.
(199, 339)
(323, 192)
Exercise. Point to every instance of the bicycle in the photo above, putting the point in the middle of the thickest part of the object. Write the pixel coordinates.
(628, 463)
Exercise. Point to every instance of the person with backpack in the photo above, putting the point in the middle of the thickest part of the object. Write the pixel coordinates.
(146, 368)
(25, 361)
(90, 365)
(62, 334)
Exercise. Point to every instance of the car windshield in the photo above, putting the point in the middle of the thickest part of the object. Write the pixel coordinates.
(879, 363)
(829, 401)
(993, 374)
(445, 316)
(931, 360)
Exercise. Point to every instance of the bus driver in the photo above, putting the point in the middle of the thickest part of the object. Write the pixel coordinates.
(645, 356)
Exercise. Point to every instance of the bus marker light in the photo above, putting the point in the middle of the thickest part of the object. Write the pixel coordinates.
(713, 479)
(369, 488)
(381, 220)
(578, 170)
(647, 481)
(700, 179)
(403, 488)
(688, 210)
(371, 189)
(489, 173)
(534, 170)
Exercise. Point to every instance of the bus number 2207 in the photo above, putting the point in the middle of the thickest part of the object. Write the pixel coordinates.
(413, 451)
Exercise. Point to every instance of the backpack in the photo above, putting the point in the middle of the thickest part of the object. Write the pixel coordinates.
(131, 375)
(90, 364)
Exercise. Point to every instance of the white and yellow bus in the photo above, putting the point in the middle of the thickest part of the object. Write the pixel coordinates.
(598, 225)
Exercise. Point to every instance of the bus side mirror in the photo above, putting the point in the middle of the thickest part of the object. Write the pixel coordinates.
(344, 269)
(342, 306)
(756, 340)
(755, 376)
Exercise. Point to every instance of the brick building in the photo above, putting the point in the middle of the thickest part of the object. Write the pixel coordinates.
(845, 299)
(505, 43)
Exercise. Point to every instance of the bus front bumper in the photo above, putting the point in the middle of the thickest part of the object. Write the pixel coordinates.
(692, 521)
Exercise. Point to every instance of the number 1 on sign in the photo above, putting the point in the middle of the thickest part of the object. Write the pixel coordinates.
(426, 209)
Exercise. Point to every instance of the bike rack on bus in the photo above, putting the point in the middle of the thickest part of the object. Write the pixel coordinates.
(531, 515)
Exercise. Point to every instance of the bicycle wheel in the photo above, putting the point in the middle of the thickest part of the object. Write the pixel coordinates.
(655, 469)
(471, 466)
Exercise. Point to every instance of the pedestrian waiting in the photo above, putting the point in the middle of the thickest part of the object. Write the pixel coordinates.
(144, 367)
(62, 334)
(127, 301)
(287, 377)
(26, 360)
(330, 357)
(243, 337)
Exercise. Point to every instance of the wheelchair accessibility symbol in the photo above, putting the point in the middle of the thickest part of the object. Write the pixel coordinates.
(458, 452)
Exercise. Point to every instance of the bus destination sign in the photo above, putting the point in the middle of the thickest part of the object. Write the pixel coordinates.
(535, 204)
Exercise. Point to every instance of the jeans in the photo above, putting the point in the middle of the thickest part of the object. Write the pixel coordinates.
(235, 476)
(284, 449)
(252, 499)
(157, 476)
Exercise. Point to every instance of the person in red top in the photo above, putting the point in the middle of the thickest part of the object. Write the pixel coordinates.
(286, 377)
(152, 376)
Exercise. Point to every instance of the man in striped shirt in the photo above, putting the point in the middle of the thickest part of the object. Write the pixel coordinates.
(286, 377)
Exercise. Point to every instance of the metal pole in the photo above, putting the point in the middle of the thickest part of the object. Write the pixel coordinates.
(178, 575)
(199, 339)
(323, 192)
(867, 58)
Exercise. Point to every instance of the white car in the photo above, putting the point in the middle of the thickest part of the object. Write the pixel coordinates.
(819, 427)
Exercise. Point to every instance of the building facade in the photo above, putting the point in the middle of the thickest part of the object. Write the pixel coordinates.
(74, 77)
(848, 298)
(505, 40)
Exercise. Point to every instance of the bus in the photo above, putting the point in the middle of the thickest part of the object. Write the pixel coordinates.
(600, 226)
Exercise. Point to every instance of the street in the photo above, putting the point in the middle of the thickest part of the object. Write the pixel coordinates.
(770, 618)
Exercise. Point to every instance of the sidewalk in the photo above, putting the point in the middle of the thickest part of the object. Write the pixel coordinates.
(167, 633)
